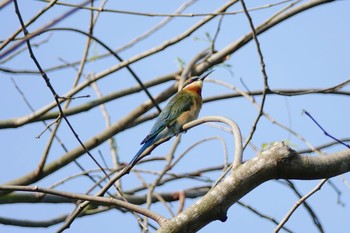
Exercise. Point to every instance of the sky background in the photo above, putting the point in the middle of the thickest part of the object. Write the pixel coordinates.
(310, 50)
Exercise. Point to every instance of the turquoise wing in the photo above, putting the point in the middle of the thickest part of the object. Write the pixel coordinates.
(180, 103)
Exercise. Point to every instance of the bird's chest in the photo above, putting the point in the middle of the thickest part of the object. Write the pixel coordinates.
(192, 113)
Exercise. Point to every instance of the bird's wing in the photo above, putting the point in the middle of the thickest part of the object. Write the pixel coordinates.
(177, 105)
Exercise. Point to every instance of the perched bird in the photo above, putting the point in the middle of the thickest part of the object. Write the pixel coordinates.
(181, 109)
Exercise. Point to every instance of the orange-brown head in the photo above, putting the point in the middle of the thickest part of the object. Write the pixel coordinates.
(195, 84)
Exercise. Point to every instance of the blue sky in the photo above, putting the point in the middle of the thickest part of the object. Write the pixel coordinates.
(310, 50)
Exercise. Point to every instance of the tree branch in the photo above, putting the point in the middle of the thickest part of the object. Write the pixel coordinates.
(93, 199)
(278, 161)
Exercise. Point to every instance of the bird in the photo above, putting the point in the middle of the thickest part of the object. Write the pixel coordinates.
(181, 109)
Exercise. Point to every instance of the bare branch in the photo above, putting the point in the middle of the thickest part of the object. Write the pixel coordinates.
(93, 199)
(167, 14)
(261, 214)
(263, 71)
(277, 162)
(298, 203)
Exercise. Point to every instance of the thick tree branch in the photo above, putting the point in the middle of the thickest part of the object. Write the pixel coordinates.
(279, 161)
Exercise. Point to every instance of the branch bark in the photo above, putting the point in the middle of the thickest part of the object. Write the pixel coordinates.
(279, 161)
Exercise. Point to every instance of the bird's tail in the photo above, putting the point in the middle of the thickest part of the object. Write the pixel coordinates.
(143, 148)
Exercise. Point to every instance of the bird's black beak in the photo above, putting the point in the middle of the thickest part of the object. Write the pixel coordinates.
(205, 74)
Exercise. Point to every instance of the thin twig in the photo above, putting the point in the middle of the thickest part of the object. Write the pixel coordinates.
(168, 14)
(111, 141)
(48, 127)
(308, 208)
(297, 204)
(20, 51)
(152, 187)
(271, 119)
(152, 30)
(323, 146)
(195, 175)
(52, 221)
(50, 24)
(263, 71)
(338, 192)
(212, 47)
(324, 131)
(188, 70)
(250, 208)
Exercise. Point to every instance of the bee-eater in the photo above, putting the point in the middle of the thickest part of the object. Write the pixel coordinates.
(181, 109)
